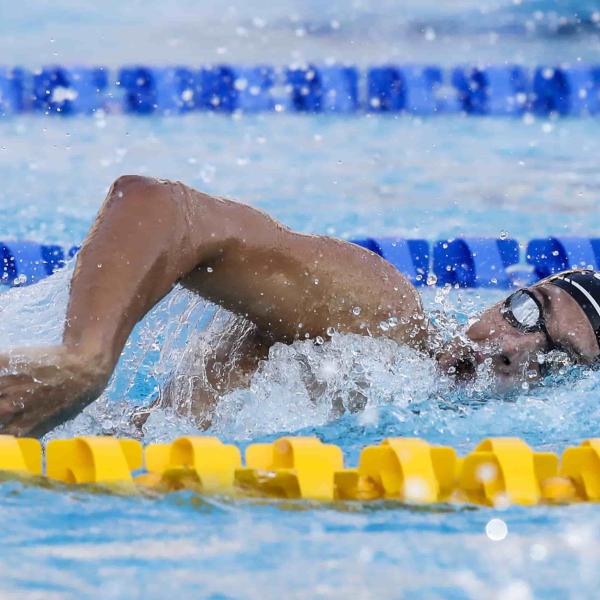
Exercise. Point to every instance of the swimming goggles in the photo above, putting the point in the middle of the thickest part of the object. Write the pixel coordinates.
(524, 312)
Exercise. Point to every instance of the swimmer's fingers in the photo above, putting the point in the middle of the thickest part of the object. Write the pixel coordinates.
(42, 387)
(14, 401)
(24, 400)
(24, 408)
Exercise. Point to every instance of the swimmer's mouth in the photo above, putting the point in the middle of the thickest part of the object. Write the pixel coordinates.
(460, 362)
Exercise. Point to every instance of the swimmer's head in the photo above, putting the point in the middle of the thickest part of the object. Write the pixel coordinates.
(560, 313)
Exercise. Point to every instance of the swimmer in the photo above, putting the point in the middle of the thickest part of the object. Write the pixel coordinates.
(152, 234)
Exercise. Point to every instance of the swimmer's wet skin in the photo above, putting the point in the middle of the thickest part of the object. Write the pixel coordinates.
(151, 234)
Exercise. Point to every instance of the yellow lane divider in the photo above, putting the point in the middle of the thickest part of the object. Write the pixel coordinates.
(93, 460)
(292, 467)
(403, 468)
(201, 462)
(20, 455)
(498, 472)
(582, 467)
(505, 470)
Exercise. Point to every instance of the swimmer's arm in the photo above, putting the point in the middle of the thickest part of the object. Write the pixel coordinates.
(135, 252)
(147, 236)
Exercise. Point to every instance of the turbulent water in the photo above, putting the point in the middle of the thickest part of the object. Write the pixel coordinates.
(371, 382)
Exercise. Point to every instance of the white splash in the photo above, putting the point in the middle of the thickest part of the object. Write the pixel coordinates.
(307, 384)
(35, 315)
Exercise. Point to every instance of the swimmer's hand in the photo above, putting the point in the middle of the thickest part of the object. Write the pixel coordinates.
(42, 387)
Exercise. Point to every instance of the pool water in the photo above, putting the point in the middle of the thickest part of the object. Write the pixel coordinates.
(428, 178)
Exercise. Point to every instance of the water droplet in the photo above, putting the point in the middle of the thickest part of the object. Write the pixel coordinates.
(503, 235)
(496, 530)
(431, 279)
(319, 341)
(356, 311)
(384, 326)
(330, 331)
(209, 269)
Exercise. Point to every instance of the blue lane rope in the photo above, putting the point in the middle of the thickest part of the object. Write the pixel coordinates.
(469, 262)
(509, 90)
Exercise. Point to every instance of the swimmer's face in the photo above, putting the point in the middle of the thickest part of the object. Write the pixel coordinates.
(515, 354)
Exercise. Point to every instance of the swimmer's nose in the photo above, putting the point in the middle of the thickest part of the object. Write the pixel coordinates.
(511, 356)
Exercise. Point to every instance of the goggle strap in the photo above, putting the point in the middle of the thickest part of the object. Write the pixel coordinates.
(582, 296)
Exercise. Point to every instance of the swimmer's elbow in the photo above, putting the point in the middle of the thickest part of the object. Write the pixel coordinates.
(146, 198)
(145, 208)
(134, 186)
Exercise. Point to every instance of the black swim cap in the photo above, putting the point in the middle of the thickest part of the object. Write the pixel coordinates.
(584, 287)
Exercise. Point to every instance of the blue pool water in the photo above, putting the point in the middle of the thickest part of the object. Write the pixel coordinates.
(346, 177)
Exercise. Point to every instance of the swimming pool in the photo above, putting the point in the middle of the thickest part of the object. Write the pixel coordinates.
(427, 178)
